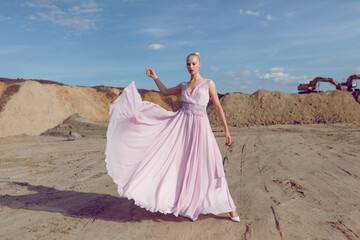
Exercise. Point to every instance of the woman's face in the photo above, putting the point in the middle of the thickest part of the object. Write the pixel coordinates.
(193, 64)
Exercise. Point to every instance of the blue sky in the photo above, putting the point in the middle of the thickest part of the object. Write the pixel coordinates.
(244, 45)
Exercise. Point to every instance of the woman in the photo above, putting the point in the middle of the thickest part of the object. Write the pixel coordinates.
(169, 161)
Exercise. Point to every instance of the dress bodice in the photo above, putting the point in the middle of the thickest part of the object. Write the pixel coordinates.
(197, 101)
(199, 95)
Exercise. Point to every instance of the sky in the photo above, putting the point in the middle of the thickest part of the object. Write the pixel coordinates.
(244, 45)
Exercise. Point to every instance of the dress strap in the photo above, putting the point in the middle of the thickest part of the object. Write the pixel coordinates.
(184, 84)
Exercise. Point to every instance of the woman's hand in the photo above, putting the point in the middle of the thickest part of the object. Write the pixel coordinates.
(150, 73)
(228, 138)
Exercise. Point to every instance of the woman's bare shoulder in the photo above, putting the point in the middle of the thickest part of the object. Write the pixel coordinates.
(210, 82)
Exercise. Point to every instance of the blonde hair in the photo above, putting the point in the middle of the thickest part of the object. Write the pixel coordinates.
(194, 54)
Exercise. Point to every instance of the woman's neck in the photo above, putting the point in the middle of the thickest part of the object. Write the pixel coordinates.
(196, 77)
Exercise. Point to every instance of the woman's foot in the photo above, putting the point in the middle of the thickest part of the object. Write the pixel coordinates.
(234, 216)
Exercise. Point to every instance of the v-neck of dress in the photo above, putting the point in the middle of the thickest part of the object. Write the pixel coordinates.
(194, 87)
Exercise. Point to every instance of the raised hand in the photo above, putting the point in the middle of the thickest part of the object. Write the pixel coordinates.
(151, 73)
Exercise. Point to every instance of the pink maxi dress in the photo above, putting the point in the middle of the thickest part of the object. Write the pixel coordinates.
(167, 161)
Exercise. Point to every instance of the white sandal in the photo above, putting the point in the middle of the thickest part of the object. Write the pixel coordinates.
(235, 219)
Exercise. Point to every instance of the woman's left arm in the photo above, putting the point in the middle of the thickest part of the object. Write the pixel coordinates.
(219, 111)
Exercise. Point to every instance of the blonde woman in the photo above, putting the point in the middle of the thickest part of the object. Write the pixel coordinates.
(170, 161)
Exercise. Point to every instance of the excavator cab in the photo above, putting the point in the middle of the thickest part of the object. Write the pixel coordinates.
(351, 82)
(354, 84)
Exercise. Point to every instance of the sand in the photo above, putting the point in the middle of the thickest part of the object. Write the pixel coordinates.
(289, 178)
(287, 181)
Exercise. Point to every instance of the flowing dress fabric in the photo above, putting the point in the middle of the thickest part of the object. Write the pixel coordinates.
(167, 161)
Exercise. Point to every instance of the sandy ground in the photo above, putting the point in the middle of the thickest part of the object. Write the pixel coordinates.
(288, 182)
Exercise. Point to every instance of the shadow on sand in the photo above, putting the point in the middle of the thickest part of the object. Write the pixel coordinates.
(84, 205)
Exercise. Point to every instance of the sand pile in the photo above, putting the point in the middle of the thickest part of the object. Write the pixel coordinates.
(33, 106)
(36, 107)
(170, 103)
(76, 126)
(269, 108)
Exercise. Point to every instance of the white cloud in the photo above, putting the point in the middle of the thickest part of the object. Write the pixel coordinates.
(184, 28)
(155, 46)
(3, 18)
(277, 69)
(278, 75)
(214, 68)
(250, 80)
(86, 8)
(235, 80)
(249, 12)
(265, 22)
(268, 19)
(289, 14)
(80, 17)
(156, 32)
(252, 13)
(32, 18)
(357, 70)
(232, 77)
(39, 3)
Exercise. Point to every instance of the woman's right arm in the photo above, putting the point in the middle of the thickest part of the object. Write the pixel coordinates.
(163, 90)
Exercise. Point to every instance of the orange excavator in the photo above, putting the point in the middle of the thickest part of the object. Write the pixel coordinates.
(350, 83)
(313, 85)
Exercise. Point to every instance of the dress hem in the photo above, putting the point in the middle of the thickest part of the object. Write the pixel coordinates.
(165, 212)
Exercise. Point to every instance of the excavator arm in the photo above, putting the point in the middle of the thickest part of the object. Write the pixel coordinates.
(312, 85)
